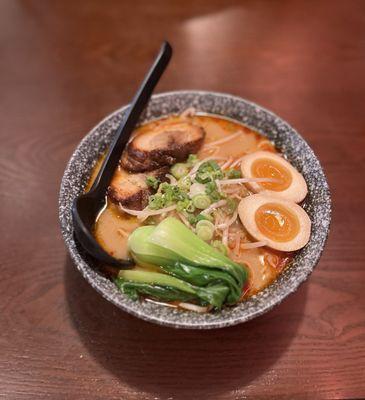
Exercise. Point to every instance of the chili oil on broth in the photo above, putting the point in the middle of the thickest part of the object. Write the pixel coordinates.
(113, 226)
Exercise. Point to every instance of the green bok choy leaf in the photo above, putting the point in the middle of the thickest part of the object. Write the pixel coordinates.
(168, 288)
(186, 262)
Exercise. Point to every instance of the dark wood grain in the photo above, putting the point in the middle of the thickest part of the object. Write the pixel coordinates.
(64, 65)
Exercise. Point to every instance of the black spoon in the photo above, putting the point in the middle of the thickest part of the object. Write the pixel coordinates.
(86, 207)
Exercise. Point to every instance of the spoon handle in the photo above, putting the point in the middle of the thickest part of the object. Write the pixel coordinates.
(130, 120)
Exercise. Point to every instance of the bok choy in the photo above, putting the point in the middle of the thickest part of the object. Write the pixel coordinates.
(168, 288)
(190, 268)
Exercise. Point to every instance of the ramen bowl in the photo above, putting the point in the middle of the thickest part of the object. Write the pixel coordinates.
(317, 204)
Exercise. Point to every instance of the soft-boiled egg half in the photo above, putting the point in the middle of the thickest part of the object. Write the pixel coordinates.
(281, 224)
(286, 182)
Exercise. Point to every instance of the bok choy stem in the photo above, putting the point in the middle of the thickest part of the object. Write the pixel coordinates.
(168, 288)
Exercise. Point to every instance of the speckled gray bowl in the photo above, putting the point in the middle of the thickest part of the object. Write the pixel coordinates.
(317, 205)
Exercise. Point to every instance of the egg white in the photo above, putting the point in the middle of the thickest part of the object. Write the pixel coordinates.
(295, 192)
(247, 209)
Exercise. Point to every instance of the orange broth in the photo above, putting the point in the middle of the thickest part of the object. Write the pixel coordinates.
(113, 226)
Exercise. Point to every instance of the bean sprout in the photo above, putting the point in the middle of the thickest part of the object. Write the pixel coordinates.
(245, 180)
(227, 164)
(237, 161)
(226, 139)
(247, 246)
(231, 221)
(225, 237)
(122, 232)
(172, 179)
(185, 221)
(145, 213)
(194, 307)
(189, 112)
(213, 206)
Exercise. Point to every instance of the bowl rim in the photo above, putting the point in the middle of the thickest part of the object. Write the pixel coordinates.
(81, 264)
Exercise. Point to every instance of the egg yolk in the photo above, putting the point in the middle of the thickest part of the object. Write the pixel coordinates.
(268, 168)
(277, 222)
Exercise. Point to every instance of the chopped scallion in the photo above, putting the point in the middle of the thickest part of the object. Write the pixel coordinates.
(201, 201)
(179, 170)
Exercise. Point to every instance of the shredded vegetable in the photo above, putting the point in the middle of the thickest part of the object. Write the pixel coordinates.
(238, 161)
(247, 246)
(226, 139)
(225, 236)
(122, 232)
(146, 212)
(189, 112)
(184, 220)
(229, 222)
(172, 179)
(236, 248)
(245, 180)
(227, 163)
(194, 307)
(213, 206)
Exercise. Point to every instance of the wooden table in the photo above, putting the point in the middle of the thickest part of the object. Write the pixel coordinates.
(64, 65)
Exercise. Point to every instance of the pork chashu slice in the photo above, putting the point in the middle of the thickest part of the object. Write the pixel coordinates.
(165, 144)
(131, 190)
